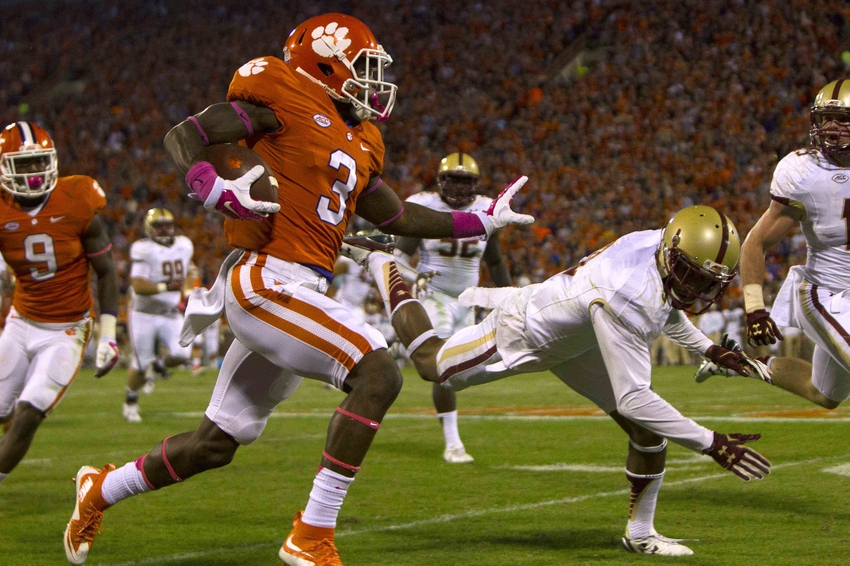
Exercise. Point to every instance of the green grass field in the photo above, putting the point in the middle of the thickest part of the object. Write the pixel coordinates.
(514, 505)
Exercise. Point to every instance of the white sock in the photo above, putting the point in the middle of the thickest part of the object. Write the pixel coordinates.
(644, 496)
(3, 477)
(123, 483)
(329, 489)
(450, 431)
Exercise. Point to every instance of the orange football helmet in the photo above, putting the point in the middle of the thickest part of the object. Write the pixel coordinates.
(28, 163)
(342, 55)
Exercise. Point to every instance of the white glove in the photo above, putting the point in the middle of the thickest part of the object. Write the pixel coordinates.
(231, 198)
(500, 214)
(107, 348)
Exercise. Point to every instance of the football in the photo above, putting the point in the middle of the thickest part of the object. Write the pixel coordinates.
(231, 161)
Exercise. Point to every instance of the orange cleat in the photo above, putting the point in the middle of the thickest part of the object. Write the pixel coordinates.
(88, 513)
(307, 545)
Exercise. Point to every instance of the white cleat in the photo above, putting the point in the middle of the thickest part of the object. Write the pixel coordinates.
(457, 455)
(149, 386)
(656, 544)
(359, 246)
(708, 368)
(131, 413)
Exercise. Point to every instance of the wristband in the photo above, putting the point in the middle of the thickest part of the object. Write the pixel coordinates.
(753, 298)
(201, 178)
(107, 326)
(467, 225)
(161, 287)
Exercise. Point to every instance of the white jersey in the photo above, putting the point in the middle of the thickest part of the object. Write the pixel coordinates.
(354, 284)
(805, 179)
(624, 278)
(160, 264)
(457, 261)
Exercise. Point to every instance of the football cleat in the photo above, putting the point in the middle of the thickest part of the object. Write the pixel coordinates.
(159, 368)
(457, 455)
(130, 412)
(307, 545)
(88, 513)
(656, 544)
(149, 386)
(359, 246)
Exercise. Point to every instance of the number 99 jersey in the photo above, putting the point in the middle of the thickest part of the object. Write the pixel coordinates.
(321, 164)
(45, 250)
(159, 263)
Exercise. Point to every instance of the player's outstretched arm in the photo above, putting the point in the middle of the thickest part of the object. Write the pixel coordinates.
(226, 122)
(381, 206)
(771, 228)
(98, 250)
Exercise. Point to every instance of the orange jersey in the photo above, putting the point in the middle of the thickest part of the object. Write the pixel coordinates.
(45, 250)
(320, 162)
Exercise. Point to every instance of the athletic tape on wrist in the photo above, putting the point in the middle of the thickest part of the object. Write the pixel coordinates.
(649, 449)
(753, 297)
(244, 117)
(168, 467)
(201, 131)
(333, 460)
(362, 420)
(467, 225)
(419, 340)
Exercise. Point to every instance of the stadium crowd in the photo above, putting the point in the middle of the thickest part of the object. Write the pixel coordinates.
(671, 103)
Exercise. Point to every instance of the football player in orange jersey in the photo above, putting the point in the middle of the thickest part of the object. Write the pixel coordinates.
(50, 233)
(309, 116)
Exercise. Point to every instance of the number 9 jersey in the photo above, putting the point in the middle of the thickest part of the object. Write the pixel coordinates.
(45, 250)
(321, 163)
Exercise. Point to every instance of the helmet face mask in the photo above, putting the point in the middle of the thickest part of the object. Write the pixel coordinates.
(342, 55)
(830, 120)
(28, 163)
(699, 254)
(457, 178)
(159, 226)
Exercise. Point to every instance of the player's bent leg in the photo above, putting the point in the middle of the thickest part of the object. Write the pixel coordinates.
(17, 440)
(799, 376)
(645, 472)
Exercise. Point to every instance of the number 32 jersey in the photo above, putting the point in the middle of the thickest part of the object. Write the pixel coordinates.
(458, 261)
(45, 250)
(320, 162)
(806, 180)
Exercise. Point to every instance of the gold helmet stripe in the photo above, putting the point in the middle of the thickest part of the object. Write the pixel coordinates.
(837, 89)
(724, 237)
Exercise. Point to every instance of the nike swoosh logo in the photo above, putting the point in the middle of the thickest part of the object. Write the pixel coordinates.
(364, 148)
(56, 218)
(291, 546)
(229, 207)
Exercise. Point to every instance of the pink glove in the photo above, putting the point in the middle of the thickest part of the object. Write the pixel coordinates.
(231, 198)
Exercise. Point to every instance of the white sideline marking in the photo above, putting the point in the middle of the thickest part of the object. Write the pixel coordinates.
(418, 416)
(448, 518)
(841, 470)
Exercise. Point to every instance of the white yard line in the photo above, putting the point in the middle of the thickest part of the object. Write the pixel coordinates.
(508, 417)
(223, 551)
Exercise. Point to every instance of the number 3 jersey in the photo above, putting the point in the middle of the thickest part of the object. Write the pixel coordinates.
(457, 261)
(160, 264)
(806, 180)
(45, 250)
(321, 165)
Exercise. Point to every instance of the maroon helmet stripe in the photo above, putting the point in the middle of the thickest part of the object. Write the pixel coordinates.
(825, 314)
(724, 237)
(460, 159)
(837, 89)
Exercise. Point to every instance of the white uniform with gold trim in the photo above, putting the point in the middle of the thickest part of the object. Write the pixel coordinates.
(354, 287)
(458, 262)
(155, 317)
(816, 297)
(593, 330)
